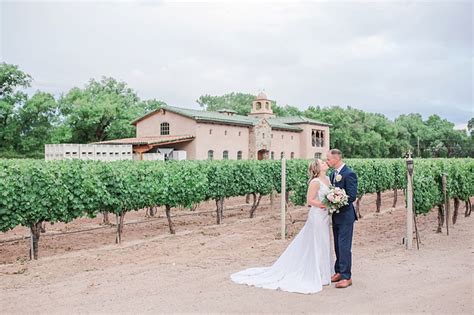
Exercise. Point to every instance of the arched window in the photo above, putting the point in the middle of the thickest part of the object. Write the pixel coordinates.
(258, 106)
(164, 129)
(267, 105)
(210, 155)
(225, 155)
(239, 155)
(225, 133)
(292, 155)
(272, 155)
(282, 155)
(210, 131)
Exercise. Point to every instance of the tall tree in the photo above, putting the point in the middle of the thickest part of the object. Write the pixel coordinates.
(11, 80)
(239, 102)
(36, 122)
(100, 111)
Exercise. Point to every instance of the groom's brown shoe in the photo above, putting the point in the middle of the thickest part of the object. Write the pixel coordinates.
(344, 283)
(336, 277)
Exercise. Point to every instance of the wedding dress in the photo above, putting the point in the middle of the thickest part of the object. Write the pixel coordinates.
(306, 265)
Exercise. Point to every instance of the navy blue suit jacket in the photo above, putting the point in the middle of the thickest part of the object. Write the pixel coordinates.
(348, 182)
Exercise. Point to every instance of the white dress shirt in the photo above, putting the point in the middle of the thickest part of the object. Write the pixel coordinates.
(339, 169)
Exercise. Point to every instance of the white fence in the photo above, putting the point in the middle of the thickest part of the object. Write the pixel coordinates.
(100, 152)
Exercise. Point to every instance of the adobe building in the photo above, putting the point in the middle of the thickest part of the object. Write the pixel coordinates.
(221, 135)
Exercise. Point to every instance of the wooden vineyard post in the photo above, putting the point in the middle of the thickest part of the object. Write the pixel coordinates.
(446, 202)
(283, 198)
(409, 236)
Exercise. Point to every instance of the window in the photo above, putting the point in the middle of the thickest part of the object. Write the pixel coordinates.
(282, 155)
(240, 133)
(164, 129)
(291, 137)
(210, 154)
(210, 131)
(258, 106)
(292, 155)
(267, 105)
(272, 155)
(317, 138)
(225, 155)
(271, 136)
(263, 135)
(317, 155)
(282, 136)
(225, 133)
(239, 155)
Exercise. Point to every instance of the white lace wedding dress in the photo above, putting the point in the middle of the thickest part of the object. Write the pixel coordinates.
(306, 265)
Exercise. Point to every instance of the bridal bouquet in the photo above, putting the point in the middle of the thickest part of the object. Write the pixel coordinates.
(335, 199)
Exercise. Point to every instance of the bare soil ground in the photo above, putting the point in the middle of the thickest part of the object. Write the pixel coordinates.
(155, 272)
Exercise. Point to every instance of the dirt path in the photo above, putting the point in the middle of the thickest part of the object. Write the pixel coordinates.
(189, 271)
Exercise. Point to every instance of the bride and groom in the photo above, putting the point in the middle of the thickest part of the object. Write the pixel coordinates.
(307, 263)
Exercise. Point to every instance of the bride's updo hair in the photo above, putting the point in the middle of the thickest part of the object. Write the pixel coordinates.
(314, 168)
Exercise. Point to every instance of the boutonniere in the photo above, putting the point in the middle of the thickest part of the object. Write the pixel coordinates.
(338, 177)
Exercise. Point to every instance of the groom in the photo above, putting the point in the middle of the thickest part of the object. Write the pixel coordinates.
(343, 222)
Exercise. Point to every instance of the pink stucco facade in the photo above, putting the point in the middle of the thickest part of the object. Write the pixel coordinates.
(259, 140)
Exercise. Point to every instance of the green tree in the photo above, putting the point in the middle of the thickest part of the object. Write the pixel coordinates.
(36, 122)
(100, 111)
(470, 126)
(11, 80)
(239, 102)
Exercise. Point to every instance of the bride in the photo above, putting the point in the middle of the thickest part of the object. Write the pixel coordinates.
(306, 265)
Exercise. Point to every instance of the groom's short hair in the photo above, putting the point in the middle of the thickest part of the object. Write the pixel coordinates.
(336, 152)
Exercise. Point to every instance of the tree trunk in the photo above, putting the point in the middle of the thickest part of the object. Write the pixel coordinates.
(456, 208)
(440, 218)
(119, 222)
(168, 216)
(43, 227)
(358, 206)
(468, 208)
(272, 201)
(395, 198)
(379, 201)
(35, 230)
(105, 219)
(256, 202)
(222, 209)
(151, 211)
(218, 211)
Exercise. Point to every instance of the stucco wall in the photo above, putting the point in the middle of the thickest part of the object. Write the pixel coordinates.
(307, 149)
(179, 125)
(218, 141)
(287, 142)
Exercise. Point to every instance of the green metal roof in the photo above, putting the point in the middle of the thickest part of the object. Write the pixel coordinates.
(300, 120)
(284, 123)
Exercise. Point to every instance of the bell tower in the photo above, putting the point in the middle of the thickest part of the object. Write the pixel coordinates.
(261, 107)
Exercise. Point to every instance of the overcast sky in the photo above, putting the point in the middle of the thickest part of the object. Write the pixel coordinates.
(393, 57)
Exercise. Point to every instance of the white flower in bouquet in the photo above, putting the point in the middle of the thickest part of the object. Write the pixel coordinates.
(335, 199)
